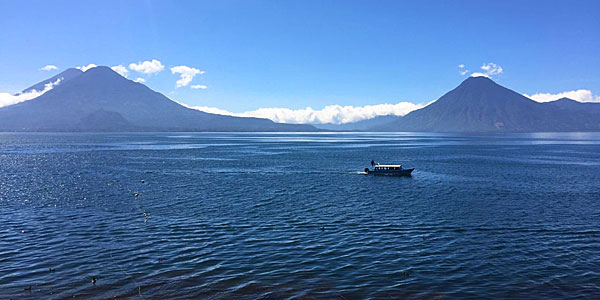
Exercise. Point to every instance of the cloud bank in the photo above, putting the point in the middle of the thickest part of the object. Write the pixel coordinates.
(577, 95)
(7, 99)
(48, 68)
(336, 114)
(186, 74)
(147, 67)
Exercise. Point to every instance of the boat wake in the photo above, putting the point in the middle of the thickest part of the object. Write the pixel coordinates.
(358, 173)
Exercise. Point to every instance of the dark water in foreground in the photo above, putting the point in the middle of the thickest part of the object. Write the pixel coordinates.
(276, 216)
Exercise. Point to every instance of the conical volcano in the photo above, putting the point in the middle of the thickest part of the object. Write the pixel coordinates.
(99, 98)
(479, 104)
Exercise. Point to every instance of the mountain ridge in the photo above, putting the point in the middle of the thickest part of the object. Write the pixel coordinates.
(479, 104)
(102, 100)
(64, 76)
(102, 89)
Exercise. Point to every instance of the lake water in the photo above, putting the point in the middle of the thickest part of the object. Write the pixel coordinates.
(276, 216)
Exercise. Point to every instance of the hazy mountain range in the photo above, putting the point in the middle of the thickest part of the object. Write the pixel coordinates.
(102, 100)
(363, 125)
(479, 104)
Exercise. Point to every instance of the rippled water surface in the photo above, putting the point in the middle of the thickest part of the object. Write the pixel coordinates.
(246, 216)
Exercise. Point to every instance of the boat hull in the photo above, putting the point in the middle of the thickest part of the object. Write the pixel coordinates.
(403, 172)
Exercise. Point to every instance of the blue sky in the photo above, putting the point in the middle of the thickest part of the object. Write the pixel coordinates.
(296, 54)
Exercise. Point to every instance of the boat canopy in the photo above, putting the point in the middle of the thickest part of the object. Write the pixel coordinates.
(388, 166)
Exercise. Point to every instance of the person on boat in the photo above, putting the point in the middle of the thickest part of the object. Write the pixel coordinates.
(372, 163)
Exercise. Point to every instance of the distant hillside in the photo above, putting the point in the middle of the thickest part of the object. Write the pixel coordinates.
(480, 105)
(102, 100)
(575, 106)
(363, 125)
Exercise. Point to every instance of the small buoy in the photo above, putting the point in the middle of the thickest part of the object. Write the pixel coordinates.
(23, 231)
(143, 181)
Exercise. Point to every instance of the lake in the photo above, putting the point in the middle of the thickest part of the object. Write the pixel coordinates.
(288, 215)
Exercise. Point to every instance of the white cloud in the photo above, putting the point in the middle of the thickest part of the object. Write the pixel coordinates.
(213, 110)
(186, 74)
(336, 114)
(121, 69)
(7, 99)
(477, 74)
(577, 95)
(147, 67)
(49, 68)
(85, 68)
(492, 69)
(199, 87)
(487, 70)
(462, 71)
(140, 80)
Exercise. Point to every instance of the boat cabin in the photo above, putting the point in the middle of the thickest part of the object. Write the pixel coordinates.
(379, 167)
(395, 170)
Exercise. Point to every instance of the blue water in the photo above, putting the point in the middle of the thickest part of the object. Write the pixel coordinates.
(278, 216)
